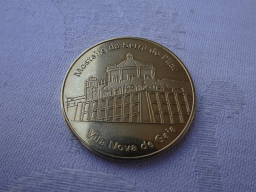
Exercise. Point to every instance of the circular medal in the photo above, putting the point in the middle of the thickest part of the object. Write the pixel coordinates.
(128, 98)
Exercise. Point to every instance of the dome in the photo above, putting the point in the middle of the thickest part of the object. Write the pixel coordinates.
(130, 62)
(129, 56)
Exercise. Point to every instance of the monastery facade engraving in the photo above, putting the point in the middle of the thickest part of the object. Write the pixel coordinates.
(131, 94)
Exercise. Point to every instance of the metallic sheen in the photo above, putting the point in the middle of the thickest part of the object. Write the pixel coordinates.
(128, 98)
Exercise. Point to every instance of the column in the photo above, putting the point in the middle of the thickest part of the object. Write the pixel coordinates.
(114, 110)
(151, 112)
(169, 108)
(120, 75)
(186, 101)
(122, 109)
(98, 110)
(178, 107)
(106, 110)
(159, 107)
(130, 109)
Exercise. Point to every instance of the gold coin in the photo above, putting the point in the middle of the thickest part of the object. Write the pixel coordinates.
(128, 98)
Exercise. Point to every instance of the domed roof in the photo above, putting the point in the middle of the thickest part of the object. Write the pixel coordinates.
(130, 62)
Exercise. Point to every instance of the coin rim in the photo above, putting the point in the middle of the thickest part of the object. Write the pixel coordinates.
(168, 146)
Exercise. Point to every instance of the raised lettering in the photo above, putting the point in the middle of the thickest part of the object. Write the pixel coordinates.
(146, 144)
(116, 146)
(143, 145)
(150, 144)
(111, 47)
(91, 133)
(88, 60)
(172, 129)
(127, 148)
(134, 46)
(95, 137)
(168, 60)
(93, 56)
(83, 66)
(133, 148)
(78, 72)
(102, 142)
(120, 147)
(159, 138)
(112, 145)
(103, 50)
(143, 48)
(125, 45)
(165, 136)
(138, 46)
(169, 63)
(154, 51)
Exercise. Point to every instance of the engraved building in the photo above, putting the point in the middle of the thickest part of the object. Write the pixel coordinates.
(132, 94)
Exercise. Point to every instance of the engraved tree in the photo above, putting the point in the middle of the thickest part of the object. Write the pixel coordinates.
(114, 86)
(137, 82)
(150, 84)
(126, 85)
(172, 84)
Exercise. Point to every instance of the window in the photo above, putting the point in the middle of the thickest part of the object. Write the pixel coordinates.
(115, 79)
(129, 77)
(146, 76)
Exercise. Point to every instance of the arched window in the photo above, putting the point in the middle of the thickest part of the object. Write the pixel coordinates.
(146, 76)
(129, 77)
(115, 79)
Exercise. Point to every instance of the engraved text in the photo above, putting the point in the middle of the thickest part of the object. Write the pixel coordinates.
(134, 46)
(95, 137)
(88, 60)
(116, 146)
(169, 62)
(164, 136)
